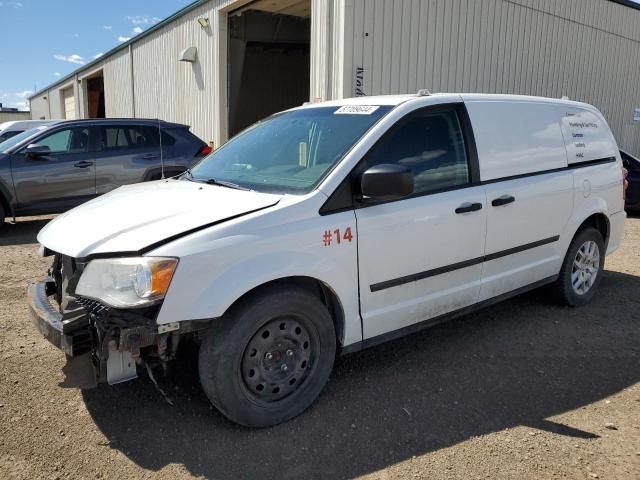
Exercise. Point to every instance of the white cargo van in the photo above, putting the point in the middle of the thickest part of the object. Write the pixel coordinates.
(329, 228)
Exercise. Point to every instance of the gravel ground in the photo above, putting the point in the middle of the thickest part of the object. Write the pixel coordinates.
(524, 389)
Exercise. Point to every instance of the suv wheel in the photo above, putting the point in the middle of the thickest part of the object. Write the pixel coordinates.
(581, 271)
(2, 214)
(267, 360)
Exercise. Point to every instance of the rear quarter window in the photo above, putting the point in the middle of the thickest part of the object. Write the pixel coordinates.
(517, 138)
(587, 136)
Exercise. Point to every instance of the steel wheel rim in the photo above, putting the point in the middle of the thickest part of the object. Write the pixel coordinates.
(585, 268)
(278, 359)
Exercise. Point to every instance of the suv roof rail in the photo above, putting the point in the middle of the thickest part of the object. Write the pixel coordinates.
(423, 92)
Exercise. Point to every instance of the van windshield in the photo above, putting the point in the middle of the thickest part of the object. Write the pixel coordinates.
(16, 139)
(288, 152)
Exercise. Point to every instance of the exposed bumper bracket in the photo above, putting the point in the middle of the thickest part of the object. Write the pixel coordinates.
(52, 324)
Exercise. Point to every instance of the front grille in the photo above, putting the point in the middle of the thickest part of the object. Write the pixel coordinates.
(92, 306)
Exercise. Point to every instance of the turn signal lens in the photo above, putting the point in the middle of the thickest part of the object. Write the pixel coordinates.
(152, 279)
(161, 275)
(625, 182)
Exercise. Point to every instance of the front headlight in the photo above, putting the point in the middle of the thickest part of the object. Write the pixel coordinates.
(127, 282)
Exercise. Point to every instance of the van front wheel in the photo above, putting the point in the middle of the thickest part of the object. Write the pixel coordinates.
(581, 271)
(267, 359)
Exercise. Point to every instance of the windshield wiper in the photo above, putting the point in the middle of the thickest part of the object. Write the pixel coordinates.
(223, 183)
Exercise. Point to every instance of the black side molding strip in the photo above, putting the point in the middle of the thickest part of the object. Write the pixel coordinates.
(521, 248)
(426, 274)
(456, 266)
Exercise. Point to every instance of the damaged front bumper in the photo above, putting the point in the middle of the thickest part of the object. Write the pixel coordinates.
(101, 346)
(51, 323)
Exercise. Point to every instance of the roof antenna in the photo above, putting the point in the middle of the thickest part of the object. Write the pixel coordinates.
(161, 153)
(160, 137)
(423, 92)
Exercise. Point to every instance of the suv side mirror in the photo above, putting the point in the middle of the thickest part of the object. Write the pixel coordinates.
(35, 151)
(386, 182)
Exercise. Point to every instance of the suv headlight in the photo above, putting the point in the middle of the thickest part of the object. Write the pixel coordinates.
(127, 282)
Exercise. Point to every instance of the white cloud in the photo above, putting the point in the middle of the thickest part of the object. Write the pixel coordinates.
(142, 19)
(22, 105)
(136, 30)
(75, 35)
(56, 74)
(98, 55)
(24, 94)
(123, 39)
(17, 5)
(109, 28)
(77, 59)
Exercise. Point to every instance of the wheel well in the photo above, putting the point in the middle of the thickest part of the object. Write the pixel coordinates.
(600, 222)
(5, 206)
(315, 287)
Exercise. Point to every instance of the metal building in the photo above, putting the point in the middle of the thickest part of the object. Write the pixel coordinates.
(219, 65)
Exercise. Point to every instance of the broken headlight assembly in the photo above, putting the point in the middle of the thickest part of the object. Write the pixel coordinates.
(127, 282)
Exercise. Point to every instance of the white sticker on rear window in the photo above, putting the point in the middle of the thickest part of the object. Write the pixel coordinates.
(356, 110)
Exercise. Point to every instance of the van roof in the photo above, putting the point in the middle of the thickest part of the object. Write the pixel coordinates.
(394, 100)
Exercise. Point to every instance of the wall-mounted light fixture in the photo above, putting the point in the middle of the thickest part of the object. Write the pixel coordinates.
(204, 22)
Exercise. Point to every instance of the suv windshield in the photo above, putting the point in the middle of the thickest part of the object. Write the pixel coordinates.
(13, 141)
(289, 152)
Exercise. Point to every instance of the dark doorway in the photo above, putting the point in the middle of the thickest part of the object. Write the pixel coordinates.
(269, 63)
(95, 97)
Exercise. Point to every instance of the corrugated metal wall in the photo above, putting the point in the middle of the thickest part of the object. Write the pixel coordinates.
(118, 90)
(14, 116)
(588, 50)
(327, 37)
(163, 86)
(39, 107)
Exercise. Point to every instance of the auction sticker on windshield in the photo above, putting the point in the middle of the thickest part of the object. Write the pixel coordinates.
(356, 110)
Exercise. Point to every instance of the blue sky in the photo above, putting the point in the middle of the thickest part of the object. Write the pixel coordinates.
(42, 40)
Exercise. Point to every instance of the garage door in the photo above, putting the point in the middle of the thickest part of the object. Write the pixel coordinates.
(69, 103)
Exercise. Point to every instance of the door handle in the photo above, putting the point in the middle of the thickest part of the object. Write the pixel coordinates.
(503, 200)
(83, 164)
(469, 207)
(150, 156)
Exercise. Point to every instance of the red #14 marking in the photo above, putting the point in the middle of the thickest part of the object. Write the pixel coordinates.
(329, 236)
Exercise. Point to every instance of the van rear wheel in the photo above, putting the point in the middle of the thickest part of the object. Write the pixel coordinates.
(581, 271)
(268, 359)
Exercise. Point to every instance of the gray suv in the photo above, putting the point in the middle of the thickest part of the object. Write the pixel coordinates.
(52, 168)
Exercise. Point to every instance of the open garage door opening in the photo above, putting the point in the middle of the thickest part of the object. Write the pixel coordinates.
(269, 62)
(95, 96)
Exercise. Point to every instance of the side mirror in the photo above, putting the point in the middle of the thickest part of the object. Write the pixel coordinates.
(35, 151)
(386, 182)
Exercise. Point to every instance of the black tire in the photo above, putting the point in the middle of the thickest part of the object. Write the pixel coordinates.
(563, 287)
(233, 359)
(2, 214)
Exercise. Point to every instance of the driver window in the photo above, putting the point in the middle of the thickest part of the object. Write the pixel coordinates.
(70, 140)
(431, 145)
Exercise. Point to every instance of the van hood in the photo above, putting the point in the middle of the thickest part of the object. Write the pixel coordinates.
(134, 217)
